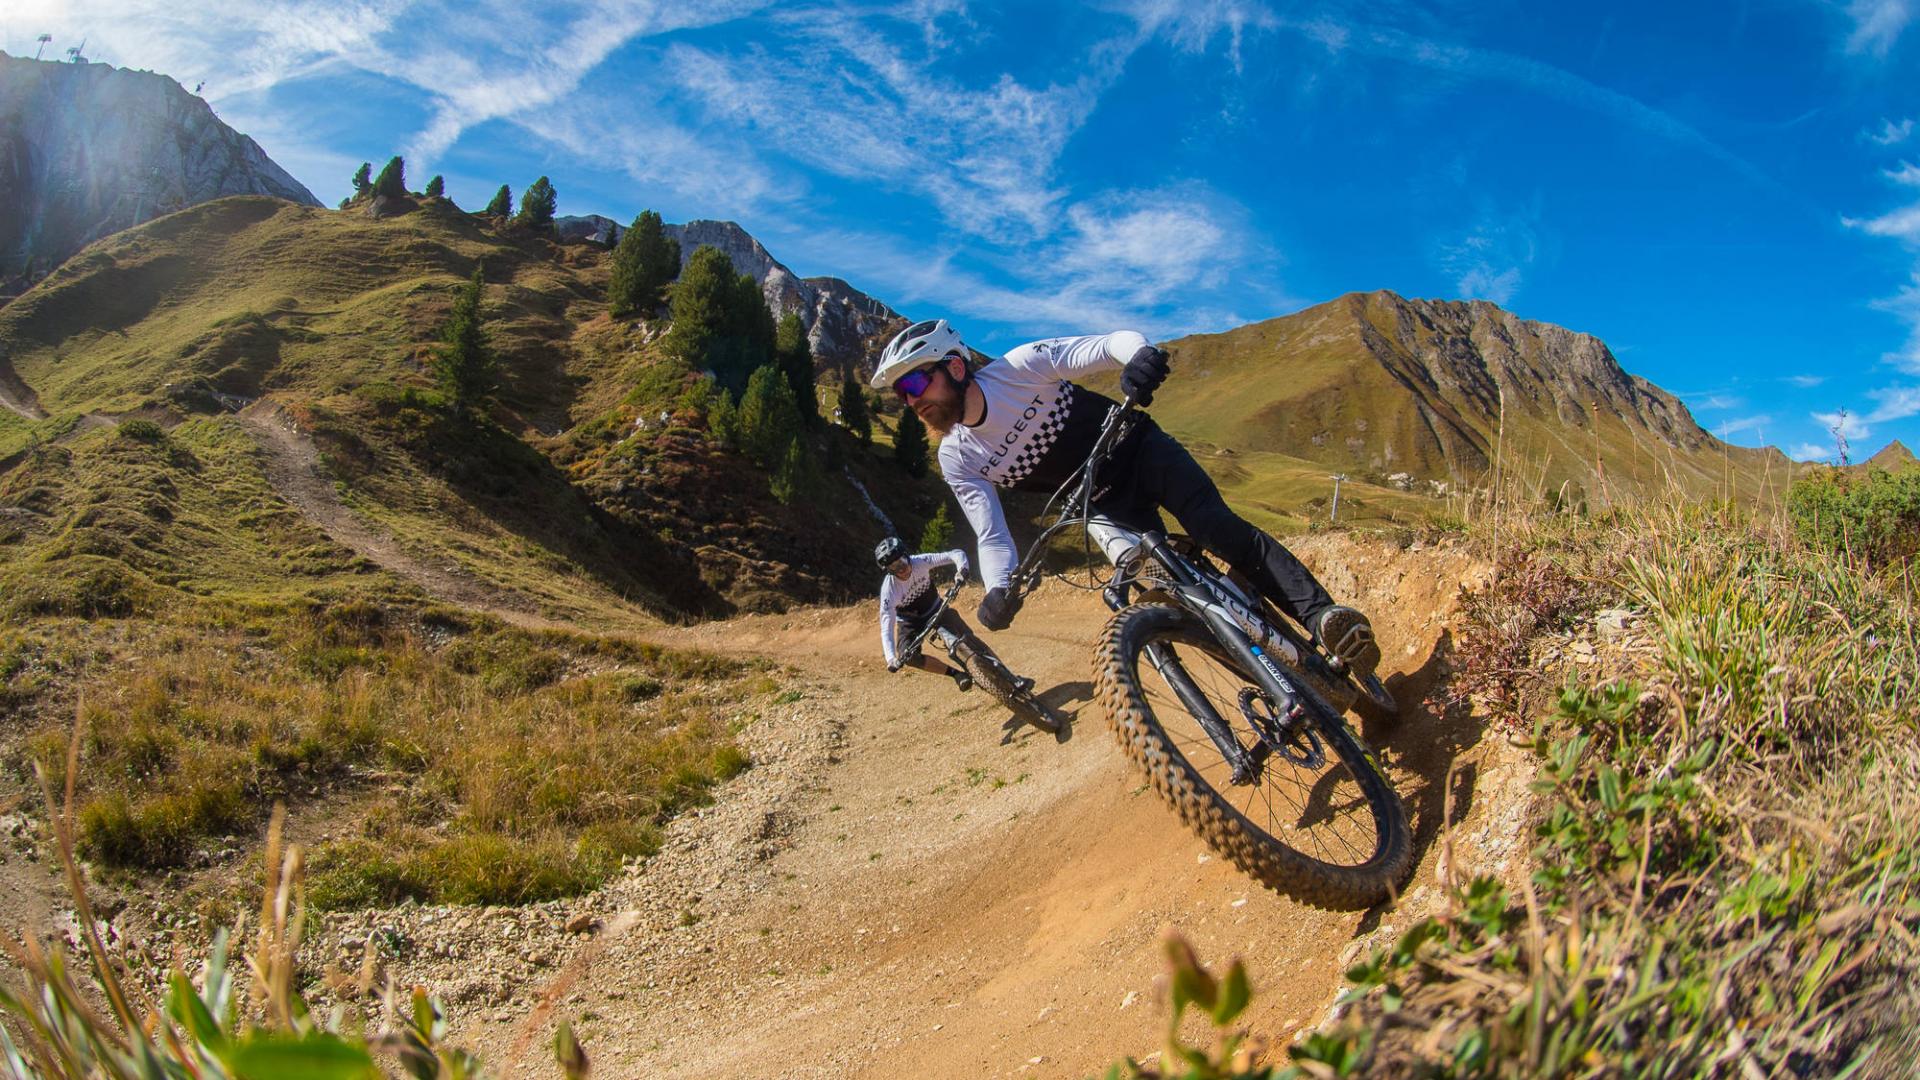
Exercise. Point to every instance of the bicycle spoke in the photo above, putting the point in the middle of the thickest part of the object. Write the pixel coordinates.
(1321, 811)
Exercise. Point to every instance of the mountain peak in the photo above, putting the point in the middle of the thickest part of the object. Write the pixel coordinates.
(87, 150)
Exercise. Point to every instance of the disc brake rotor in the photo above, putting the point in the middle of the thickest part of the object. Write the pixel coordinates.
(1293, 740)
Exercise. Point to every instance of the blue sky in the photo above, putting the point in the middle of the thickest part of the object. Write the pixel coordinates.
(1727, 193)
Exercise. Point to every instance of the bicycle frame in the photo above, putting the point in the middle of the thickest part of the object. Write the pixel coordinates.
(933, 624)
(1246, 636)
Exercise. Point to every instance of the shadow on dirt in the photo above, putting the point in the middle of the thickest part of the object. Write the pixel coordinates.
(1425, 747)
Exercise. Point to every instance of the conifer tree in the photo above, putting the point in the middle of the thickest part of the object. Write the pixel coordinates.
(393, 179)
(723, 420)
(537, 205)
(791, 479)
(768, 418)
(938, 535)
(362, 178)
(502, 204)
(910, 444)
(853, 408)
(795, 357)
(720, 321)
(465, 366)
(436, 188)
(644, 262)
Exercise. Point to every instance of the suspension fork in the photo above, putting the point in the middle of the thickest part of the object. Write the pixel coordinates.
(1288, 709)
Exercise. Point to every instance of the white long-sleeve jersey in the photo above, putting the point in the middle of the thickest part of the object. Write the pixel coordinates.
(1037, 430)
(896, 594)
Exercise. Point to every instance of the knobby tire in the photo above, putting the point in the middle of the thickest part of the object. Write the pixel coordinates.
(1120, 663)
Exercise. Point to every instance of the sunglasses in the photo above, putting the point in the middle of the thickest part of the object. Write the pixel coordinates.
(913, 383)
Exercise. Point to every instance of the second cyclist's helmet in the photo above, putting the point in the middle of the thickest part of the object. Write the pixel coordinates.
(887, 551)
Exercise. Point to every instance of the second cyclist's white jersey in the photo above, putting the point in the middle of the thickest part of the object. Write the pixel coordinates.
(1037, 430)
(912, 595)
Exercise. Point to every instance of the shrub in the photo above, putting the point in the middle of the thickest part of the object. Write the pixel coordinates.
(436, 188)
(501, 205)
(938, 535)
(140, 430)
(1875, 517)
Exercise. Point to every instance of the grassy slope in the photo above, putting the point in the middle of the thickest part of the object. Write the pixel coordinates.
(334, 314)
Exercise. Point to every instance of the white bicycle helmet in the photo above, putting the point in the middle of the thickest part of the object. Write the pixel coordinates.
(917, 346)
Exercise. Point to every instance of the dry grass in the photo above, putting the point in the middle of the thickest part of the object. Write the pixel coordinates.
(1728, 870)
(482, 764)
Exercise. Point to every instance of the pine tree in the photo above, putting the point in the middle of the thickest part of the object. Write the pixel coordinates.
(853, 408)
(644, 262)
(795, 357)
(938, 535)
(723, 420)
(537, 204)
(464, 366)
(502, 203)
(393, 179)
(768, 418)
(910, 444)
(362, 178)
(792, 479)
(720, 320)
(436, 188)
(699, 306)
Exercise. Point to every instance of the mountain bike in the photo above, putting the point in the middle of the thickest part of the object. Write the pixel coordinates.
(986, 669)
(1231, 710)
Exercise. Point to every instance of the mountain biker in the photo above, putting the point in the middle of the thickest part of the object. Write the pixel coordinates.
(1022, 423)
(907, 607)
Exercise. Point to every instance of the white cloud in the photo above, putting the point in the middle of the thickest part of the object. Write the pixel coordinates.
(1806, 381)
(1720, 402)
(1905, 306)
(476, 62)
(1891, 133)
(1726, 429)
(1807, 451)
(1877, 24)
(1896, 403)
(1850, 425)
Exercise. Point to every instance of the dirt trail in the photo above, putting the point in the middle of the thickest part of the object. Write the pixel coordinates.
(292, 465)
(16, 396)
(899, 887)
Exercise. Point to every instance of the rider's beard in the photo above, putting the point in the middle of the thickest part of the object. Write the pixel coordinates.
(941, 406)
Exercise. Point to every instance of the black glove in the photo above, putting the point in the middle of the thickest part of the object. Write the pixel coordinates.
(998, 608)
(1144, 374)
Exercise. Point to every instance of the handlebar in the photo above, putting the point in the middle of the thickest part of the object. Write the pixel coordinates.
(946, 601)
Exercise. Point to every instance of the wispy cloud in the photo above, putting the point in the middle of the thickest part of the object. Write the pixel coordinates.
(1806, 381)
(1890, 133)
(1490, 261)
(1726, 429)
(1896, 403)
(1807, 451)
(1877, 24)
(1719, 402)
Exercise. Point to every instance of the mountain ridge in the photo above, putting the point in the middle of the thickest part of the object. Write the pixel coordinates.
(1437, 390)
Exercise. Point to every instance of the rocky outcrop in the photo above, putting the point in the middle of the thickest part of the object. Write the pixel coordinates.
(844, 325)
(87, 150)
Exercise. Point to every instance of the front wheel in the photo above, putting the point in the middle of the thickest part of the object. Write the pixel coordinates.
(994, 677)
(1314, 817)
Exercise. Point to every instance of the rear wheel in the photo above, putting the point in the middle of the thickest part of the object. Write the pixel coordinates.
(1315, 819)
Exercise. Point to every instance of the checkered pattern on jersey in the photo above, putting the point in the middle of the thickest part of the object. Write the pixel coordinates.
(1042, 439)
